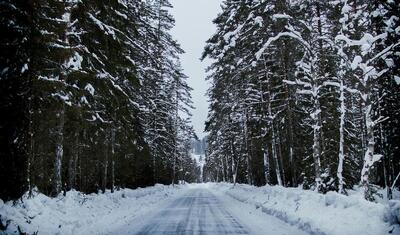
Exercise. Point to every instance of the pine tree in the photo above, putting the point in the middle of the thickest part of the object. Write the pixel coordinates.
(102, 87)
(15, 92)
(294, 86)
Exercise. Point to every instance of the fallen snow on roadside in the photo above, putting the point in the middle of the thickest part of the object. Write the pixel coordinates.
(330, 214)
(77, 213)
(266, 210)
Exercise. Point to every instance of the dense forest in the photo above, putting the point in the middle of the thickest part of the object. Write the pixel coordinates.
(305, 93)
(302, 93)
(92, 97)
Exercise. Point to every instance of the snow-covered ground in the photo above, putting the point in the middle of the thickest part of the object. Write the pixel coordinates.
(243, 208)
(77, 213)
(330, 214)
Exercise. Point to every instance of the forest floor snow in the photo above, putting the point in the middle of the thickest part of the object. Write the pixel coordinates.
(270, 208)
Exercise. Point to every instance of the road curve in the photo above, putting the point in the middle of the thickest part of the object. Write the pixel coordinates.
(197, 212)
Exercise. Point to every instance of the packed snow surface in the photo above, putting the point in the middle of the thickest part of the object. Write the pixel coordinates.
(202, 210)
(212, 208)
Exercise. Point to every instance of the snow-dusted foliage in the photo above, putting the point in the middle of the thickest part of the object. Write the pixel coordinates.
(106, 102)
(299, 94)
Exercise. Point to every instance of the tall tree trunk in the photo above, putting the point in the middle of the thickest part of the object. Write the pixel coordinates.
(264, 145)
(280, 157)
(363, 130)
(234, 164)
(154, 167)
(275, 156)
(236, 170)
(76, 157)
(154, 151)
(369, 158)
(321, 58)
(369, 154)
(383, 145)
(341, 136)
(113, 155)
(316, 145)
(217, 180)
(105, 165)
(233, 171)
(366, 83)
(289, 127)
(71, 172)
(176, 132)
(59, 151)
(248, 156)
(292, 157)
(266, 164)
(31, 153)
(228, 173)
(273, 139)
(31, 159)
(223, 170)
(72, 163)
(272, 127)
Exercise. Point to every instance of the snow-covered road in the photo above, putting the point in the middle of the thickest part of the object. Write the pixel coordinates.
(210, 208)
(197, 212)
(203, 211)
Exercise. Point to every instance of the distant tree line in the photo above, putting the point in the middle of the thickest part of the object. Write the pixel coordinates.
(305, 92)
(92, 97)
(199, 146)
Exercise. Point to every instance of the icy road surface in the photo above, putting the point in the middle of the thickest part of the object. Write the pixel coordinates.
(198, 212)
(201, 211)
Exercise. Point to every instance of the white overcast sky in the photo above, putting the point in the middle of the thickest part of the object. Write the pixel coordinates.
(193, 27)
